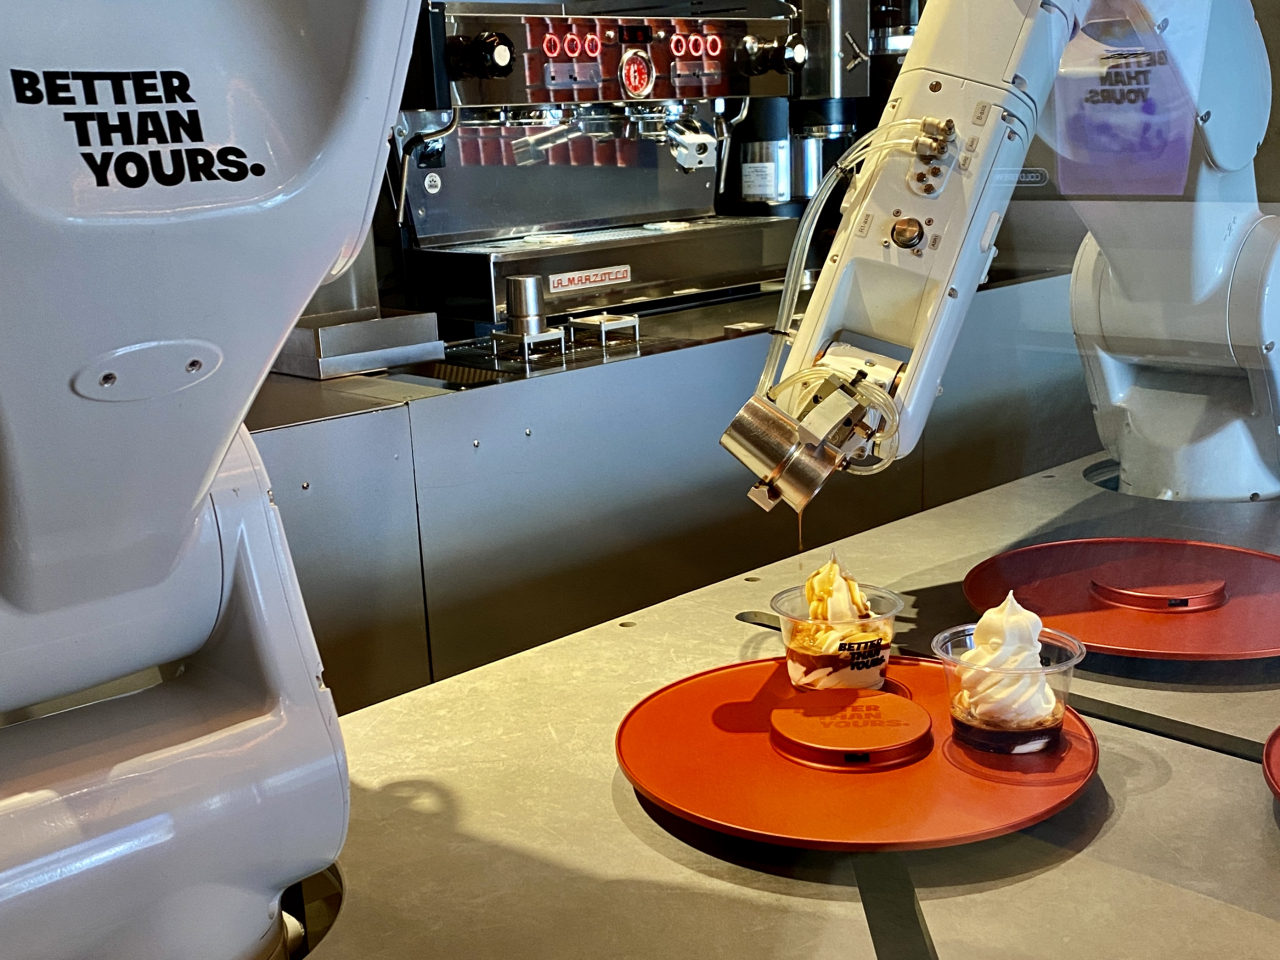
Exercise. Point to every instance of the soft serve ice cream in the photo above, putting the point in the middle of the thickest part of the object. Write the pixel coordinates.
(842, 643)
(1005, 700)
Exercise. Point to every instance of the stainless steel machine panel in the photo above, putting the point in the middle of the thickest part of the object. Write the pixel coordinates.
(607, 268)
(345, 490)
(319, 348)
(343, 330)
(478, 191)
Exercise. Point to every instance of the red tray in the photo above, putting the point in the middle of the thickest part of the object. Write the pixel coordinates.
(1271, 762)
(1134, 597)
(701, 749)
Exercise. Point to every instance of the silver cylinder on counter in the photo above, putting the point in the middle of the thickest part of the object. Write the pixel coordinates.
(766, 171)
(835, 32)
(806, 167)
(524, 305)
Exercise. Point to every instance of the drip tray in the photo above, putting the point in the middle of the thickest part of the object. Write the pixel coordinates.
(473, 362)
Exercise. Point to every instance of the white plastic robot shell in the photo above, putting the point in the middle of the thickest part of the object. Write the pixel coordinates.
(175, 181)
(989, 66)
(1174, 335)
(166, 823)
(168, 173)
(1234, 100)
(1220, 54)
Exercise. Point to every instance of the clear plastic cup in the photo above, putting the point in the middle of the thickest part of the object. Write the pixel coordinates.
(824, 654)
(996, 709)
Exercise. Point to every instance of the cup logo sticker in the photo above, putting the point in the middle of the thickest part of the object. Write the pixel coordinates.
(864, 655)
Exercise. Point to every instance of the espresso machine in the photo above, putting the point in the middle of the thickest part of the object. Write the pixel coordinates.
(574, 172)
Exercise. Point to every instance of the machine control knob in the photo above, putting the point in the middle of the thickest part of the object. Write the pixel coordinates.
(485, 56)
(494, 54)
(794, 54)
(908, 233)
(787, 55)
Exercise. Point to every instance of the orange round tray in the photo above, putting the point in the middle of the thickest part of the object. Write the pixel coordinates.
(700, 749)
(1142, 597)
(1271, 762)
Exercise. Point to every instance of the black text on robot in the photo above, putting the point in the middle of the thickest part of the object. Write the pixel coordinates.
(1126, 77)
(169, 124)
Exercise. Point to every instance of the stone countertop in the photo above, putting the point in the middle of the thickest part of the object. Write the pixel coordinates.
(489, 818)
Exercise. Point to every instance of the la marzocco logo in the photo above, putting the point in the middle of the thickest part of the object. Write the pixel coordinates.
(604, 277)
(146, 143)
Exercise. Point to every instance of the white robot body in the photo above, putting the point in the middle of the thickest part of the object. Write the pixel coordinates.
(175, 182)
(165, 823)
(917, 237)
(1170, 299)
(991, 74)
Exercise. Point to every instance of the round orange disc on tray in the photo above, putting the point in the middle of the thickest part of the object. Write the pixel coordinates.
(852, 731)
(1137, 597)
(706, 749)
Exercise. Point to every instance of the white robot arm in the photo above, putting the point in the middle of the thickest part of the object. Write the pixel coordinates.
(917, 237)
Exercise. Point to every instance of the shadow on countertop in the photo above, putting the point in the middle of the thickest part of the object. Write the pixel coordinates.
(475, 899)
(936, 873)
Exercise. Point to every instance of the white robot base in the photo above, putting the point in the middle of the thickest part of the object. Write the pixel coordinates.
(110, 806)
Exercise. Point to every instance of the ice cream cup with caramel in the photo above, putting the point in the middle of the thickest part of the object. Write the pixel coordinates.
(837, 632)
(1008, 677)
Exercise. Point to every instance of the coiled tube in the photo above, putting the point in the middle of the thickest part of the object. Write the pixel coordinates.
(875, 397)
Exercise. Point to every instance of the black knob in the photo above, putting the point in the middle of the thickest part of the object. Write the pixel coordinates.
(794, 54)
(483, 57)
(493, 55)
(783, 56)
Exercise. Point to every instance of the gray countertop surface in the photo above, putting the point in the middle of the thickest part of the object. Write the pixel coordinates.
(489, 818)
